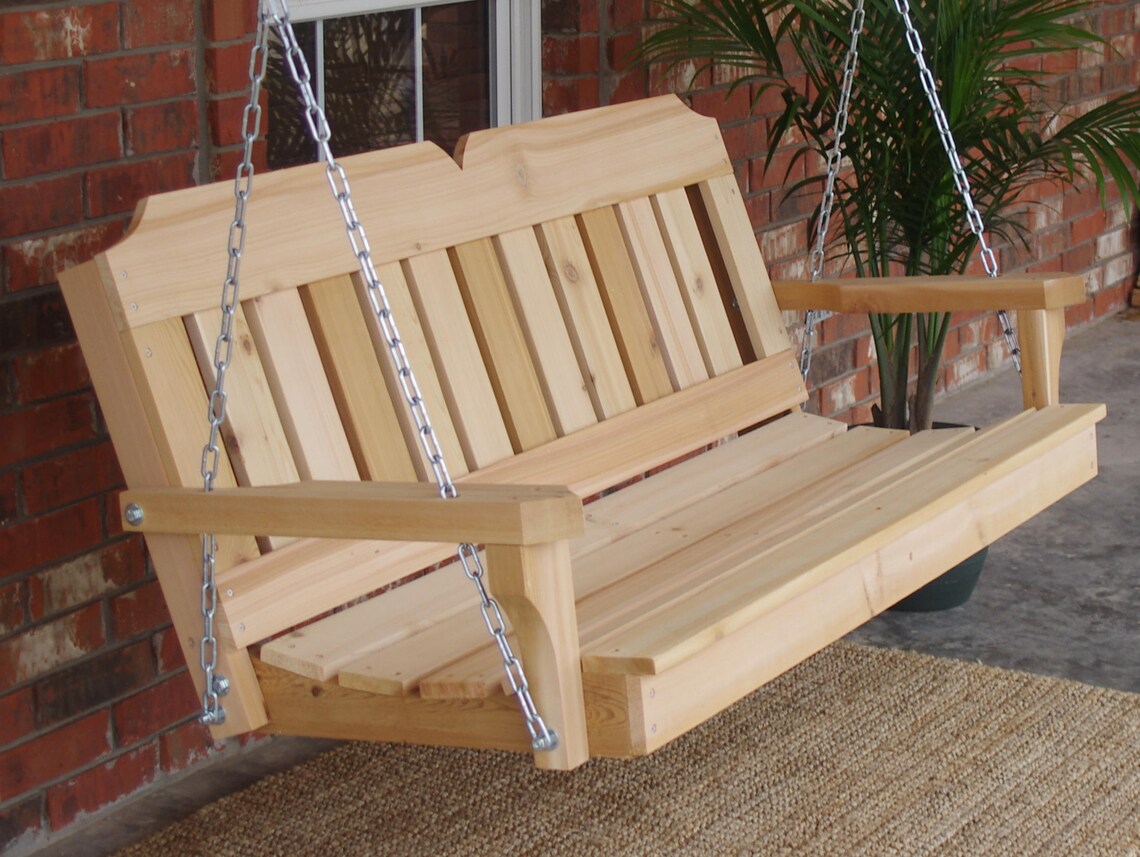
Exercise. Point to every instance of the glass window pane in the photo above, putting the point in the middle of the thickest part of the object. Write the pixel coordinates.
(287, 136)
(370, 81)
(457, 71)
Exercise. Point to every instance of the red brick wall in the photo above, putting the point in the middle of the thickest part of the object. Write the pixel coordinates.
(104, 102)
(101, 103)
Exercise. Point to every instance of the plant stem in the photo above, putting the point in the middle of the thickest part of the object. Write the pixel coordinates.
(932, 330)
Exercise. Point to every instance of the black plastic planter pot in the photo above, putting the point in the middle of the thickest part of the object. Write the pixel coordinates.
(952, 589)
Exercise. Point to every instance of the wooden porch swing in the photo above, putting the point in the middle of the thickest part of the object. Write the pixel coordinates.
(586, 308)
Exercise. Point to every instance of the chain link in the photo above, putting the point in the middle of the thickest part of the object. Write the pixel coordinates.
(961, 181)
(276, 11)
(834, 156)
(215, 685)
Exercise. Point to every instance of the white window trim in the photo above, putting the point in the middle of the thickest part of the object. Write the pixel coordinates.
(516, 80)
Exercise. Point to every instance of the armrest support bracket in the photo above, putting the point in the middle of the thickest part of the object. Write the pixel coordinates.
(1038, 299)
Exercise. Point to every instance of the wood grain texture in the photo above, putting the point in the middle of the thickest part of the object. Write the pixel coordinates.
(367, 410)
(740, 256)
(933, 294)
(662, 293)
(173, 262)
(398, 511)
(406, 321)
(455, 350)
(697, 281)
(504, 344)
(865, 527)
(534, 587)
(547, 336)
(1041, 335)
(585, 317)
(253, 430)
(621, 295)
(299, 386)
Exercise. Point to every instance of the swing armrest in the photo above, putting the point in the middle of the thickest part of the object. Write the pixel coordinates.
(932, 293)
(1038, 299)
(400, 511)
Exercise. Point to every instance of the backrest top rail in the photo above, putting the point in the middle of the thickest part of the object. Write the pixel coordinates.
(412, 199)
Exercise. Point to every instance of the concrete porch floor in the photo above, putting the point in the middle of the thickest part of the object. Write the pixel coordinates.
(1059, 596)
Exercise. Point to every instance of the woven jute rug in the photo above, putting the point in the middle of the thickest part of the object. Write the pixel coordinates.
(857, 751)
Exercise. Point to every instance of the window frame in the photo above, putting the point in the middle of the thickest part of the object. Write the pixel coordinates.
(515, 48)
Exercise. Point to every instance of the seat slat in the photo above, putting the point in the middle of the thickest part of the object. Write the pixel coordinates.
(693, 481)
(502, 340)
(585, 315)
(463, 376)
(856, 530)
(399, 668)
(625, 306)
(662, 294)
(677, 559)
(796, 628)
(323, 649)
(367, 411)
(547, 336)
(669, 557)
(304, 400)
(697, 281)
(284, 588)
(630, 444)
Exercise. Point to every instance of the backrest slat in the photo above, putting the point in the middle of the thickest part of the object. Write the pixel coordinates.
(367, 411)
(259, 450)
(697, 281)
(419, 355)
(503, 343)
(675, 336)
(585, 317)
(466, 384)
(299, 386)
(547, 337)
(175, 400)
(617, 282)
(740, 256)
(252, 431)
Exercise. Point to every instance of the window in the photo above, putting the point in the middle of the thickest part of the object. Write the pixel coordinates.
(387, 74)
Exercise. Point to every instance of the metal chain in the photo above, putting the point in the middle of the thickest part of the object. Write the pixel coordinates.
(834, 157)
(216, 685)
(276, 12)
(961, 182)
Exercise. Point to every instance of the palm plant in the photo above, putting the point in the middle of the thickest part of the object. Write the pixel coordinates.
(895, 197)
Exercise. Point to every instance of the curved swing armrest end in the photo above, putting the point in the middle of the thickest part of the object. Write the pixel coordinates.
(932, 293)
(400, 511)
